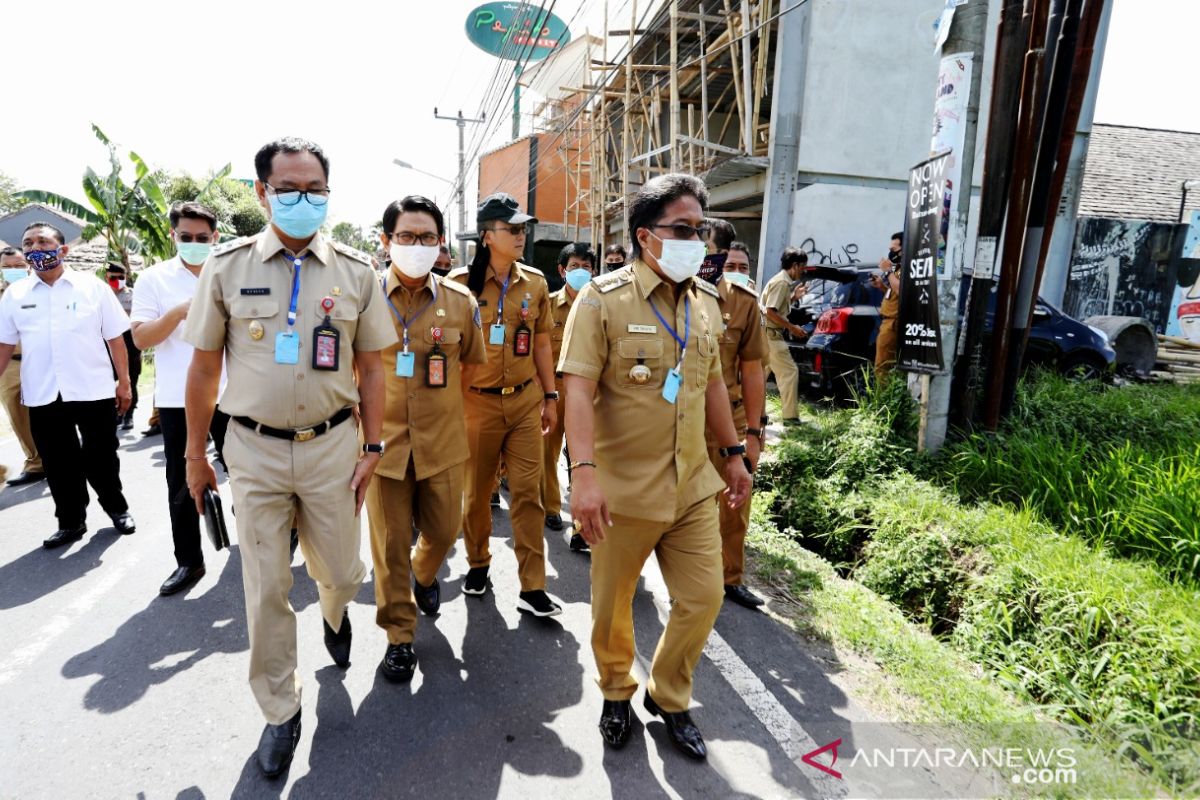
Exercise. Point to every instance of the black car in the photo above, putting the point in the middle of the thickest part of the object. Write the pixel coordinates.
(841, 310)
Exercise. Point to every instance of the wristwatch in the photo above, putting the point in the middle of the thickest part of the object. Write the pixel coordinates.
(757, 432)
(373, 448)
(550, 396)
(732, 450)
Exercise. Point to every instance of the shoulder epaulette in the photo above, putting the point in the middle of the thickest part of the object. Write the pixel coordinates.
(606, 283)
(456, 272)
(744, 288)
(706, 287)
(454, 286)
(237, 244)
(532, 272)
(347, 250)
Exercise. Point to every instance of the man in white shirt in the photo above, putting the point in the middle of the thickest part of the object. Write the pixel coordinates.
(161, 299)
(14, 269)
(69, 326)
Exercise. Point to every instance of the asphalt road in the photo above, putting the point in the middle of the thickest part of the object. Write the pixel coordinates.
(108, 690)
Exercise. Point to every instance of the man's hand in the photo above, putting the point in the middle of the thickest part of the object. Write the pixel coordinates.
(798, 331)
(181, 311)
(885, 263)
(588, 505)
(753, 451)
(363, 471)
(124, 395)
(737, 481)
(200, 476)
(549, 416)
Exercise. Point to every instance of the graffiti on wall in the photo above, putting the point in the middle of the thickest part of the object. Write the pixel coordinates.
(1184, 317)
(835, 255)
(1122, 267)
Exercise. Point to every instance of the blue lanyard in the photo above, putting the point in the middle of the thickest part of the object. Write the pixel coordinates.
(687, 327)
(500, 304)
(406, 322)
(295, 288)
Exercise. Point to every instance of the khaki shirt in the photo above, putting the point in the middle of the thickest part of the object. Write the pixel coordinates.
(527, 288)
(777, 294)
(890, 307)
(419, 420)
(560, 307)
(651, 457)
(17, 349)
(242, 302)
(744, 338)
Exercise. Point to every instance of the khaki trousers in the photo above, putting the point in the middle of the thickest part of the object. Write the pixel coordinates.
(734, 521)
(510, 425)
(551, 453)
(886, 344)
(787, 375)
(273, 480)
(435, 504)
(689, 555)
(10, 395)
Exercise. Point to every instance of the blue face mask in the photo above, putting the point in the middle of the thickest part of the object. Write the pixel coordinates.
(578, 278)
(193, 252)
(738, 277)
(13, 274)
(44, 260)
(299, 221)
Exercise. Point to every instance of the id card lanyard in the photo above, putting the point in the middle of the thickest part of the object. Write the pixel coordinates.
(670, 390)
(496, 332)
(405, 359)
(287, 343)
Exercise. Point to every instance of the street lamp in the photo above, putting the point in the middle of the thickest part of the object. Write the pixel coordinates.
(405, 165)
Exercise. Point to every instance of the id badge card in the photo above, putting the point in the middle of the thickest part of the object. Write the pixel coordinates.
(325, 347)
(496, 333)
(522, 341)
(435, 370)
(670, 390)
(404, 365)
(287, 348)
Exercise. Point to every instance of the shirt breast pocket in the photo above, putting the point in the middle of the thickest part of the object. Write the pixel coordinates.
(451, 339)
(343, 315)
(633, 353)
(709, 349)
(252, 320)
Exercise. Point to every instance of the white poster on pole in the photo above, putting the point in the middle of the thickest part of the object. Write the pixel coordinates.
(949, 133)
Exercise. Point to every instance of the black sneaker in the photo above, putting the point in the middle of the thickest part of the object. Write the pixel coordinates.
(429, 598)
(578, 544)
(399, 663)
(476, 582)
(495, 499)
(538, 603)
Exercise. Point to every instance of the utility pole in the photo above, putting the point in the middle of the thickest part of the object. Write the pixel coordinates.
(968, 29)
(461, 121)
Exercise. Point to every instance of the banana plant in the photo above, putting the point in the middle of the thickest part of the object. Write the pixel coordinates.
(132, 217)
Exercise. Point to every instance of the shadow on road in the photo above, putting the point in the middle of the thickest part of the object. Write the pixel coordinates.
(15, 495)
(41, 572)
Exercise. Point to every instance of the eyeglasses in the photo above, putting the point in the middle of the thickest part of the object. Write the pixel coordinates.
(681, 231)
(409, 239)
(188, 238)
(513, 230)
(290, 197)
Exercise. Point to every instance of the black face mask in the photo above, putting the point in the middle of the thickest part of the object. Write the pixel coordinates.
(894, 257)
(712, 267)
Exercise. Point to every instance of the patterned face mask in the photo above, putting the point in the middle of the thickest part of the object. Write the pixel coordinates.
(44, 260)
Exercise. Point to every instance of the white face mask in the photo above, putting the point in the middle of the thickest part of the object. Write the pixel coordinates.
(414, 261)
(681, 258)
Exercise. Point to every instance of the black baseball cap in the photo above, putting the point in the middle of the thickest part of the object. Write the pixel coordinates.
(502, 207)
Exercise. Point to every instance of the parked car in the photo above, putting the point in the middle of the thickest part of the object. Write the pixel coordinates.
(842, 310)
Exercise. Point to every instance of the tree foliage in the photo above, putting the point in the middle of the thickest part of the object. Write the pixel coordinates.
(9, 201)
(233, 200)
(350, 234)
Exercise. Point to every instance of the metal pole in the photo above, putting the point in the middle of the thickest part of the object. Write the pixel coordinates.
(748, 122)
(461, 122)
(675, 165)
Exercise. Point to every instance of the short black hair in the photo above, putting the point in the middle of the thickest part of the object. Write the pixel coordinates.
(39, 224)
(742, 247)
(444, 250)
(899, 235)
(288, 144)
(616, 250)
(190, 209)
(792, 255)
(579, 250)
(415, 204)
(647, 205)
(115, 266)
(11, 251)
(723, 233)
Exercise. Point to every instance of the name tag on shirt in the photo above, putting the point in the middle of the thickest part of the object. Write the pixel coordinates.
(257, 291)
(643, 328)
(31, 305)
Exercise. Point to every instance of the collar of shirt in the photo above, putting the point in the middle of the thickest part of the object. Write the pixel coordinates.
(68, 274)
(648, 280)
(560, 298)
(270, 246)
(515, 275)
(393, 284)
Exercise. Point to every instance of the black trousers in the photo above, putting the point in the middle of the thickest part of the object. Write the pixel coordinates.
(185, 522)
(135, 369)
(78, 446)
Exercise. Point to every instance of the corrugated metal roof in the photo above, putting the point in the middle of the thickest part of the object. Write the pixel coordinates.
(1138, 173)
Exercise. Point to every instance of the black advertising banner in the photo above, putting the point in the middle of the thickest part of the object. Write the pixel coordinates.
(920, 332)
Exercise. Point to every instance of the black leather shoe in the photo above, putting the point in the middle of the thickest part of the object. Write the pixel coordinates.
(153, 430)
(743, 596)
(554, 522)
(495, 499)
(124, 523)
(338, 644)
(614, 723)
(181, 579)
(277, 745)
(64, 536)
(429, 598)
(293, 542)
(399, 663)
(578, 544)
(682, 731)
(127, 423)
(476, 582)
(26, 477)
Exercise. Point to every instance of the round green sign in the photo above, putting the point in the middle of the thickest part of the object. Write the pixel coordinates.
(516, 31)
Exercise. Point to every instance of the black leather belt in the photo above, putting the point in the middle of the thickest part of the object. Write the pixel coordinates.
(300, 434)
(736, 403)
(505, 390)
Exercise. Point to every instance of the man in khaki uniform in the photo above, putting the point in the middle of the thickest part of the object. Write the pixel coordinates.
(511, 402)
(15, 268)
(419, 479)
(743, 347)
(642, 367)
(577, 266)
(776, 301)
(295, 317)
(887, 342)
